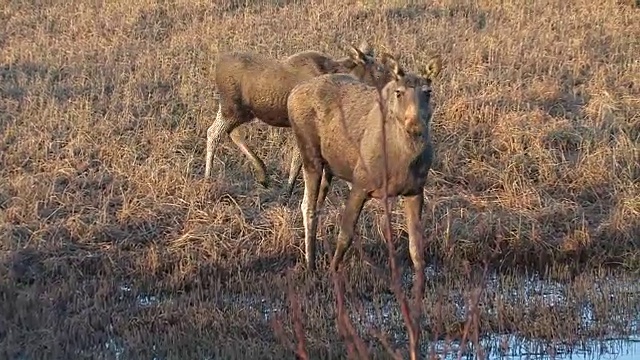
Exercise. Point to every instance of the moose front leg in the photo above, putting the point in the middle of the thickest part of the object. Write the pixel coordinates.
(413, 214)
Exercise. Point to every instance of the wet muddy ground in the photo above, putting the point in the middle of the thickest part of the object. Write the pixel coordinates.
(232, 315)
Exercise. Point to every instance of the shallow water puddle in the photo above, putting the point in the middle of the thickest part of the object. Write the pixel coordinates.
(498, 347)
(142, 299)
(534, 293)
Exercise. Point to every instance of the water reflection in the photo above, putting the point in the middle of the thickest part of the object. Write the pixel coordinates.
(594, 308)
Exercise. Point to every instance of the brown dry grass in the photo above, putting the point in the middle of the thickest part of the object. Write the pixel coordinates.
(103, 115)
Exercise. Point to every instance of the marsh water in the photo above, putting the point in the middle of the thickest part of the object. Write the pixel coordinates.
(598, 318)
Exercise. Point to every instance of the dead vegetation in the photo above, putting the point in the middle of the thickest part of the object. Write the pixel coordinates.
(110, 235)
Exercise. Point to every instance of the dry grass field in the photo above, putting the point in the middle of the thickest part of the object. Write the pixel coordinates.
(111, 238)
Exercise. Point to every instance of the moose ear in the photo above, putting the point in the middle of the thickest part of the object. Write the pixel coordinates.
(356, 55)
(433, 67)
(366, 49)
(390, 61)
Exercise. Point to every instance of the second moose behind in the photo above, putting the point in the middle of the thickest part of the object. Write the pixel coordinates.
(257, 86)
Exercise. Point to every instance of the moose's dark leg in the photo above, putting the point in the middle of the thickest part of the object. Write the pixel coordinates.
(353, 207)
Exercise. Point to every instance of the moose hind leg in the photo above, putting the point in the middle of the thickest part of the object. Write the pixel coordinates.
(325, 185)
(258, 164)
(294, 170)
(219, 128)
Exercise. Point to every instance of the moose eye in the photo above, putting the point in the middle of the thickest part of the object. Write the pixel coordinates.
(398, 93)
(426, 90)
